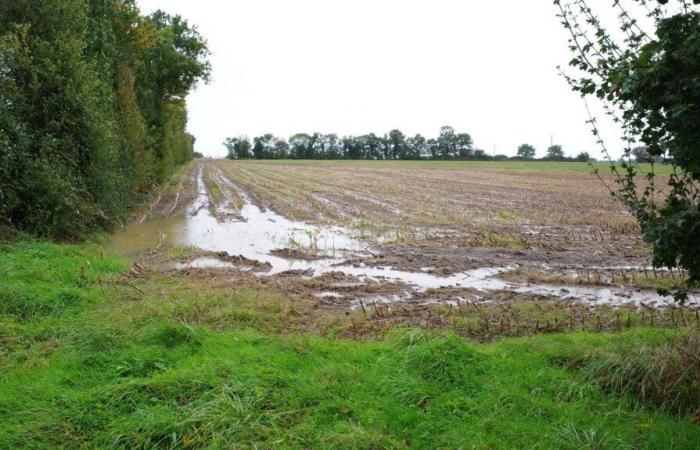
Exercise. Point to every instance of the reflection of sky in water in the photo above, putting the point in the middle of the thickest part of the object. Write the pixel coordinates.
(260, 232)
(255, 236)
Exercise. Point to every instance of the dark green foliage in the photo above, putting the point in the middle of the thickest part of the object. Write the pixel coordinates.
(452, 145)
(392, 146)
(583, 157)
(395, 145)
(300, 146)
(650, 85)
(526, 151)
(238, 148)
(91, 110)
(555, 153)
(264, 146)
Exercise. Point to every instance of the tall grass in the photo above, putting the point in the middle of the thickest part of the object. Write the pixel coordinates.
(118, 368)
(664, 375)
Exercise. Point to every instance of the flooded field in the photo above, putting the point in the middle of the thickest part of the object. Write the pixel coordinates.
(358, 252)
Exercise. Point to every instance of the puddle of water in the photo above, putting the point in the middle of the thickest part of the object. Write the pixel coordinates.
(259, 232)
(150, 234)
(207, 262)
(329, 295)
(253, 236)
(483, 279)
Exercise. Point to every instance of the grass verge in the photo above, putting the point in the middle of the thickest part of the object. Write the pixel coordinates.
(88, 363)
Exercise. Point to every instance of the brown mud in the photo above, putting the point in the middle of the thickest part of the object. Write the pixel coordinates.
(209, 226)
(294, 302)
(295, 253)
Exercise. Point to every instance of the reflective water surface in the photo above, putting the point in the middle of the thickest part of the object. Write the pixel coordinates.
(254, 233)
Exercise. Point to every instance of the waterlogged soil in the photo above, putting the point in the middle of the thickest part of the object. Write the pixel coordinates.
(434, 206)
(230, 231)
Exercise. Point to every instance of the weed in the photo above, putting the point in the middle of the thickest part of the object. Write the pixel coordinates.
(586, 439)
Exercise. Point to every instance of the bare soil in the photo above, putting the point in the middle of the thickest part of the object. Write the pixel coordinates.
(438, 221)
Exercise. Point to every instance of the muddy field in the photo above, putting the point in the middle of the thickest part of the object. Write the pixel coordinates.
(351, 236)
(451, 206)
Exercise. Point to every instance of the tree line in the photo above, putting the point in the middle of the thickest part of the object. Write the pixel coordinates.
(92, 110)
(395, 145)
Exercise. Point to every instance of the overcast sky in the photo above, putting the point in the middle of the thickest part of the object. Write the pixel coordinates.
(357, 66)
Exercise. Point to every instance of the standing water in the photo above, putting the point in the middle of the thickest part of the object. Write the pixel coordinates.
(255, 233)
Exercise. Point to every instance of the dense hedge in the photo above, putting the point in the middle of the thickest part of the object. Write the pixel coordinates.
(92, 110)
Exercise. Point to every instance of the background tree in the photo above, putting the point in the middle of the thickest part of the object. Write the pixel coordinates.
(464, 146)
(555, 153)
(170, 69)
(397, 145)
(230, 144)
(372, 146)
(238, 147)
(332, 146)
(447, 143)
(281, 149)
(480, 154)
(264, 146)
(433, 148)
(352, 148)
(526, 151)
(300, 146)
(394, 145)
(641, 154)
(416, 147)
(583, 157)
(649, 83)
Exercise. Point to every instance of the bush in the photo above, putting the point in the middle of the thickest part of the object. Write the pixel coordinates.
(92, 110)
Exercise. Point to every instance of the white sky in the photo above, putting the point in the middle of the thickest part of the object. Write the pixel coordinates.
(358, 66)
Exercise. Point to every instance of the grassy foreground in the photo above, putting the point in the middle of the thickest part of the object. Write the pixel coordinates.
(88, 362)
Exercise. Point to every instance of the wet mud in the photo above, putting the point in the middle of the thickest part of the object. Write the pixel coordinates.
(232, 232)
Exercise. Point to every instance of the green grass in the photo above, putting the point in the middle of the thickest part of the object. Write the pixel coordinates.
(96, 371)
(553, 166)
